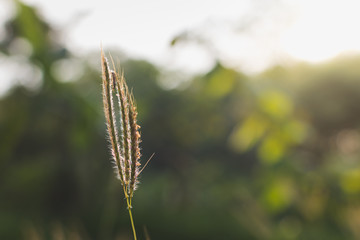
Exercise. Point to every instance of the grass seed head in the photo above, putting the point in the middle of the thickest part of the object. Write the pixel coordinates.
(125, 145)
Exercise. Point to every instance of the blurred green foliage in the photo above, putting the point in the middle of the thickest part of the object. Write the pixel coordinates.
(272, 156)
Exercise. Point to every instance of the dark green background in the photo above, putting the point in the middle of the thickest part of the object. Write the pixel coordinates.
(271, 156)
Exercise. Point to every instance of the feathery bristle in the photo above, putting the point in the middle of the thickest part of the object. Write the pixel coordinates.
(109, 113)
(135, 149)
(124, 116)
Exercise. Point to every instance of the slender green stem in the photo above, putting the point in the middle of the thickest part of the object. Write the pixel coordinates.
(131, 218)
(128, 202)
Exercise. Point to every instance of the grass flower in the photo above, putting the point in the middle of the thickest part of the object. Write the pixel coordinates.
(124, 137)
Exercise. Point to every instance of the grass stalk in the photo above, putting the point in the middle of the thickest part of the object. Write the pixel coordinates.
(124, 140)
(131, 218)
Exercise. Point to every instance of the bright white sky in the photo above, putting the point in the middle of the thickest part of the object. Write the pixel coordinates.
(250, 35)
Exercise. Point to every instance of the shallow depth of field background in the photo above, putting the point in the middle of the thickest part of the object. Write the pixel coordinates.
(268, 155)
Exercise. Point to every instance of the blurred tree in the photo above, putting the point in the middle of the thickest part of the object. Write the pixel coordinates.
(46, 137)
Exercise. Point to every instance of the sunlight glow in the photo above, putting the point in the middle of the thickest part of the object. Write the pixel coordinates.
(304, 30)
(324, 30)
